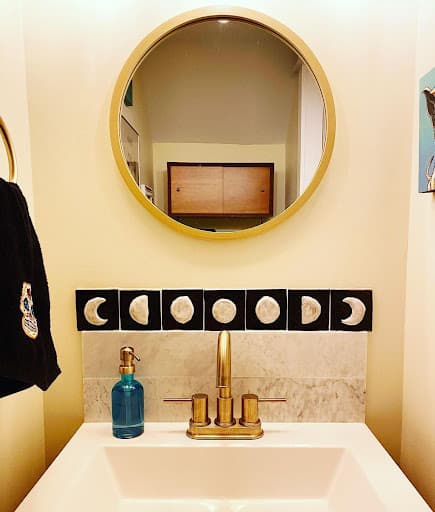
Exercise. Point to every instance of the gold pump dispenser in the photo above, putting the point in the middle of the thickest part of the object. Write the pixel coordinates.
(127, 356)
(127, 399)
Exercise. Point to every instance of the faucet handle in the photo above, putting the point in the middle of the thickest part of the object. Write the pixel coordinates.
(250, 408)
(199, 408)
(176, 400)
(273, 400)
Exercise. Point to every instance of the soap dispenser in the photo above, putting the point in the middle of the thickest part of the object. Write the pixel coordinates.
(127, 399)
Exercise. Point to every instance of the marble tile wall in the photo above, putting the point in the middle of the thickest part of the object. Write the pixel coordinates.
(322, 374)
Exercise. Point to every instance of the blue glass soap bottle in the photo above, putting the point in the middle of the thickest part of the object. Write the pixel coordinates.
(127, 399)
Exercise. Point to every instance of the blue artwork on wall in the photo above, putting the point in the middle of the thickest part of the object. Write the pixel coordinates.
(426, 175)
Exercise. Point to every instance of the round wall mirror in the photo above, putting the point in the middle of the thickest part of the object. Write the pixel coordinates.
(222, 123)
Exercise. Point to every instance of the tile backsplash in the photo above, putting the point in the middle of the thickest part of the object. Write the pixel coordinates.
(321, 373)
(214, 310)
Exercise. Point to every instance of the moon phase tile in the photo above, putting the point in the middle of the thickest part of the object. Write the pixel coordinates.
(140, 310)
(220, 305)
(351, 310)
(308, 310)
(189, 312)
(257, 316)
(91, 313)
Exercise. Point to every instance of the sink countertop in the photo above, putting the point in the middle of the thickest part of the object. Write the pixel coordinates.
(392, 488)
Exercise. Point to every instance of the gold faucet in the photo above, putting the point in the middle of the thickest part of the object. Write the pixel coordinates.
(224, 405)
(225, 426)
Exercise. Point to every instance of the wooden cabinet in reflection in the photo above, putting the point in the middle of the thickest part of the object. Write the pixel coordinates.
(220, 190)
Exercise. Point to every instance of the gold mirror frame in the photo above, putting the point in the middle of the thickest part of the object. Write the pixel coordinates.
(5, 137)
(240, 14)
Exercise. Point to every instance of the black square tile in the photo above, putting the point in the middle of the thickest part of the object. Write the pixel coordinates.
(252, 299)
(196, 323)
(295, 303)
(351, 306)
(237, 297)
(94, 306)
(132, 321)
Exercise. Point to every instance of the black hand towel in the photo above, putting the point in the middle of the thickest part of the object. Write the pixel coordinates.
(27, 353)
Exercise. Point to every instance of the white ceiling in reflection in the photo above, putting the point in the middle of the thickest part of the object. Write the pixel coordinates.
(209, 82)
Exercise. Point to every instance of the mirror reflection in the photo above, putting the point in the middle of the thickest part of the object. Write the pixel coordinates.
(222, 125)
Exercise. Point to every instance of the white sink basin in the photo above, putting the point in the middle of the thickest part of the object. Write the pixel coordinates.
(295, 467)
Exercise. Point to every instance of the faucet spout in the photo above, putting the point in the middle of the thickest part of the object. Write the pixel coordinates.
(225, 417)
(223, 365)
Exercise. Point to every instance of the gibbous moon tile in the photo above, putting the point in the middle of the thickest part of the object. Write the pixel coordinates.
(267, 310)
(182, 309)
(139, 309)
(91, 311)
(358, 311)
(224, 311)
(310, 309)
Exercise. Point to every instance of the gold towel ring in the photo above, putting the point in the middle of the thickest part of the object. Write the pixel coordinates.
(4, 134)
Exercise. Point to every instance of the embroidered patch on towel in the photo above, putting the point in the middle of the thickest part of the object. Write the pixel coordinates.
(28, 322)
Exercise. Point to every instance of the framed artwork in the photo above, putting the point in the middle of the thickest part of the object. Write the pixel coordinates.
(147, 192)
(130, 147)
(426, 157)
(128, 98)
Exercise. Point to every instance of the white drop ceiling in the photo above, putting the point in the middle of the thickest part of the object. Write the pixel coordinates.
(220, 83)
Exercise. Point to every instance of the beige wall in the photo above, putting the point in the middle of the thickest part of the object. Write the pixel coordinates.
(22, 451)
(352, 232)
(178, 152)
(418, 433)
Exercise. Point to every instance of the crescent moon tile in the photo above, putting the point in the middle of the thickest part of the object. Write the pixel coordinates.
(358, 311)
(351, 310)
(91, 311)
(97, 310)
